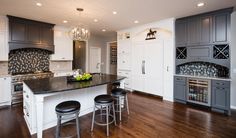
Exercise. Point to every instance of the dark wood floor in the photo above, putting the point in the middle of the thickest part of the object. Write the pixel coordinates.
(149, 118)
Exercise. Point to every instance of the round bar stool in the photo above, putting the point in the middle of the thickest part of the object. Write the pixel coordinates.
(115, 85)
(121, 98)
(105, 103)
(65, 111)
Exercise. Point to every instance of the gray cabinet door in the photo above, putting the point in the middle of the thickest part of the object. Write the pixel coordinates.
(206, 30)
(193, 31)
(180, 91)
(181, 32)
(221, 27)
(220, 98)
(180, 88)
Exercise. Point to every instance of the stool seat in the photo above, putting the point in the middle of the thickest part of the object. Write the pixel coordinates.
(68, 106)
(116, 83)
(118, 91)
(103, 99)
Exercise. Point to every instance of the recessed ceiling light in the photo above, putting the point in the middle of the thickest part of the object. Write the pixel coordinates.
(65, 21)
(136, 21)
(114, 12)
(39, 4)
(95, 20)
(200, 4)
(104, 30)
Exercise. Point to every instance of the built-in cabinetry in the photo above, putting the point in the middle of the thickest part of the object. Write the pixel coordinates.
(213, 93)
(180, 89)
(221, 96)
(63, 44)
(127, 80)
(5, 92)
(4, 38)
(147, 66)
(202, 51)
(124, 49)
(24, 33)
(204, 29)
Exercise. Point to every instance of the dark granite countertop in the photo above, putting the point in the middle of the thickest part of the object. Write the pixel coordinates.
(60, 84)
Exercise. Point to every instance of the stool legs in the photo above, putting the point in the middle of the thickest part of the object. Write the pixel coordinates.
(58, 126)
(93, 118)
(108, 110)
(120, 106)
(107, 115)
(127, 103)
(77, 125)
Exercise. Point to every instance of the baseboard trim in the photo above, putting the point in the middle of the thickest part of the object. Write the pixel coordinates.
(148, 94)
(233, 107)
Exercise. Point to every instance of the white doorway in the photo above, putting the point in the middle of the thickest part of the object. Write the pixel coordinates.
(95, 59)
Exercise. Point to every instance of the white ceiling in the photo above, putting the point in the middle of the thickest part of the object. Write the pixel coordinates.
(145, 11)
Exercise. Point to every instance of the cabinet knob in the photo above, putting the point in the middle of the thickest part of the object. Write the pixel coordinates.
(123, 61)
(27, 96)
(24, 92)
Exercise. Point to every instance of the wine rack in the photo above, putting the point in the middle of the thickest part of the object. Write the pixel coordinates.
(113, 55)
(221, 51)
(199, 91)
(181, 53)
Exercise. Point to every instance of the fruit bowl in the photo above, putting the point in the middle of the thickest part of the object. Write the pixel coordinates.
(84, 77)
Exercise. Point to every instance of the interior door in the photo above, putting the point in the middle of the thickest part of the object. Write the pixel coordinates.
(137, 66)
(154, 67)
(95, 59)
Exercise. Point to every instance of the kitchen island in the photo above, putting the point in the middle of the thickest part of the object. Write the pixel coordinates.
(42, 95)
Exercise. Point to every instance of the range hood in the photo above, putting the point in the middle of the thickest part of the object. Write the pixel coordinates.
(25, 33)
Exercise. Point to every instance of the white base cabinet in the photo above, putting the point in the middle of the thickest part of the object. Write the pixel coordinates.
(3, 38)
(5, 91)
(127, 80)
(63, 45)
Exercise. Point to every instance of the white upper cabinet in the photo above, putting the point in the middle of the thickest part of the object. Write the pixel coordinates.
(5, 92)
(124, 47)
(4, 38)
(63, 44)
(124, 50)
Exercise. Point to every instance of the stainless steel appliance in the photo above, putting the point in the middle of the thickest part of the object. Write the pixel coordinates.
(199, 91)
(17, 84)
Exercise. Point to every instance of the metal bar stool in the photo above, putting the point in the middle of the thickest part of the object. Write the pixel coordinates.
(65, 111)
(121, 98)
(104, 103)
(116, 85)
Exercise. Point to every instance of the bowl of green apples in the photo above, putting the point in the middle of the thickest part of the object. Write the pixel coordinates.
(83, 77)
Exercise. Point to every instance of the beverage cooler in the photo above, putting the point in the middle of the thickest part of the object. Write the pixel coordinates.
(199, 91)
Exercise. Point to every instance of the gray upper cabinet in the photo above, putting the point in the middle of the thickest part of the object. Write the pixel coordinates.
(221, 24)
(205, 30)
(181, 32)
(193, 31)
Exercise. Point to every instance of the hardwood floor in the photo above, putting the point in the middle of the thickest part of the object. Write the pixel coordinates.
(149, 118)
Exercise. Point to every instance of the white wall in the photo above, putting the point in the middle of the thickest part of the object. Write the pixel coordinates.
(100, 41)
(233, 60)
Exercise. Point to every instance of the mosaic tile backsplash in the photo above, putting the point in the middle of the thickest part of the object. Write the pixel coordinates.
(28, 61)
(203, 69)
